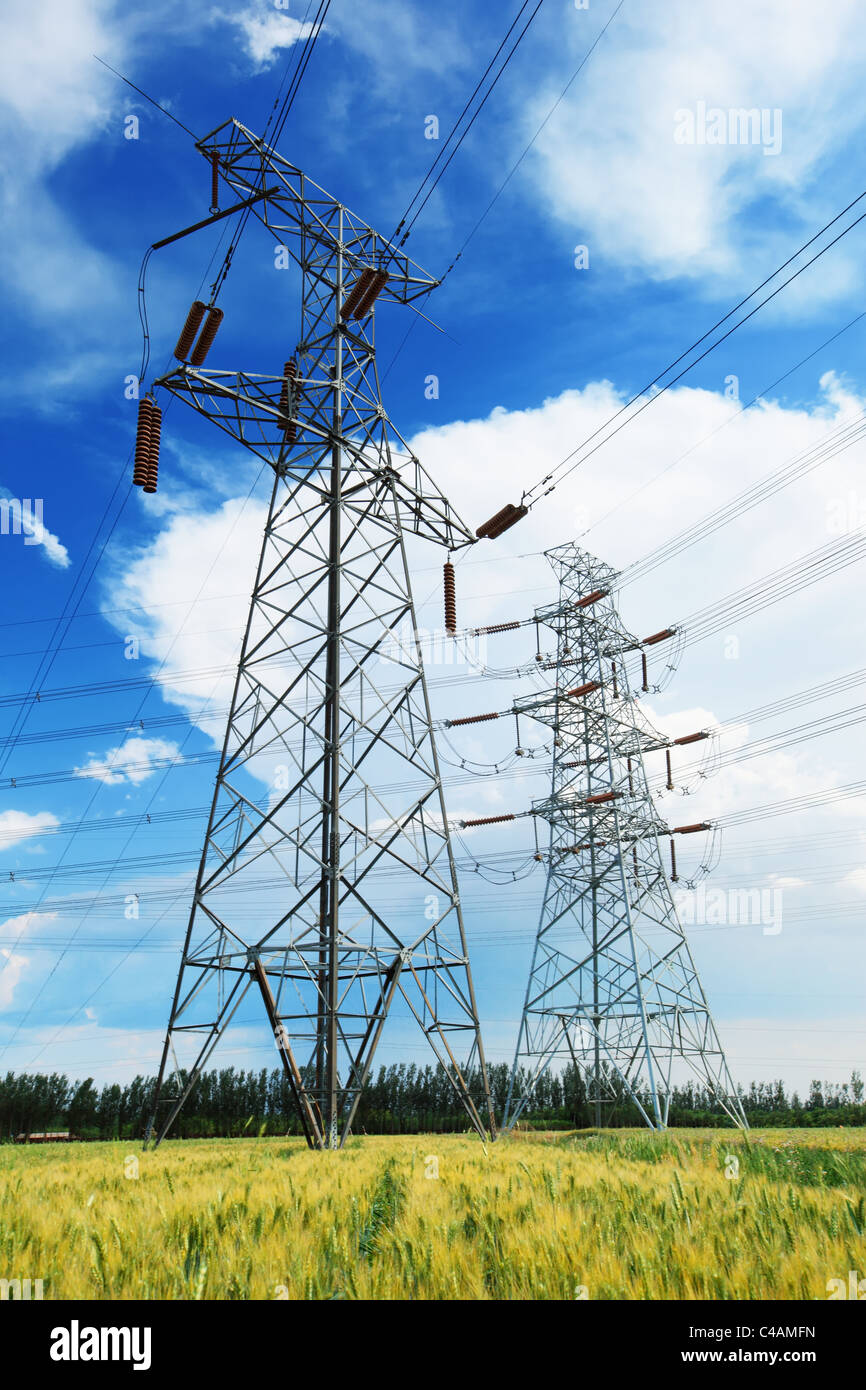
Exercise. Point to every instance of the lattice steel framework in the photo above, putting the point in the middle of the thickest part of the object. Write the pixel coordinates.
(330, 691)
(612, 988)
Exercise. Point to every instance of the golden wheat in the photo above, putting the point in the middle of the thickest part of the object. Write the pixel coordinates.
(631, 1215)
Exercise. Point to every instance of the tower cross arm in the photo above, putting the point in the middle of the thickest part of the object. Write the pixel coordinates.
(425, 511)
(304, 216)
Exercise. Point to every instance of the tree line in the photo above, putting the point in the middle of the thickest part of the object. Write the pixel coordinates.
(400, 1099)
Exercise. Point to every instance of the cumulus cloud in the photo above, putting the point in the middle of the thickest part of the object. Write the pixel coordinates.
(267, 31)
(196, 576)
(10, 974)
(132, 761)
(193, 584)
(25, 925)
(608, 165)
(17, 826)
(12, 964)
(54, 97)
(606, 504)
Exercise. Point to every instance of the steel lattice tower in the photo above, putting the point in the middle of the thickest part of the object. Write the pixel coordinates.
(612, 988)
(330, 687)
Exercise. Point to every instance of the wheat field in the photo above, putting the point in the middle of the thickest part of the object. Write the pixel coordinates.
(626, 1215)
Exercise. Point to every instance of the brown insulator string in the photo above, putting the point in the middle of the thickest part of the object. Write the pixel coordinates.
(502, 520)
(153, 449)
(142, 441)
(208, 333)
(189, 330)
(450, 599)
(356, 293)
(290, 373)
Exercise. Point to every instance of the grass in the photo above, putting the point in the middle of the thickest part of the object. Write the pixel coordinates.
(625, 1215)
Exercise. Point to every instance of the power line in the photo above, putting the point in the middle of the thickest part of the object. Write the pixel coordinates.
(309, 44)
(508, 57)
(164, 109)
(808, 801)
(801, 697)
(759, 396)
(786, 738)
(310, 41)
(513, 170)
(757, 748)
(836, 442)
(110, 903)
(510, 174)
(182, 676)
(56, 639)
(478, 937)
(293, 62)
(98, 786)
(837, 685)
(532, 494)
(772, 588)
(788, 580)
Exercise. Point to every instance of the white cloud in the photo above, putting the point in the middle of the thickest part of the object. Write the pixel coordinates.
(365, 27)
(267, 31)
(16, 826)
(193, 583)
(197, 574)
(773, 777)
(55, 550)
(688, 721)
(481, 464)
(10, 974)
(856, 879)
(131, 761)
(609, 168)
(55, 96)
(19, 927)
(49, 80)
(13, 965)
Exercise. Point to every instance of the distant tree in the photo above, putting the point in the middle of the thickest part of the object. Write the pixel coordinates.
(83, 1107)
(816, 1097)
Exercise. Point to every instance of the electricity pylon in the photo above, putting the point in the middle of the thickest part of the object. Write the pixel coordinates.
(612, 989)
(330, 703)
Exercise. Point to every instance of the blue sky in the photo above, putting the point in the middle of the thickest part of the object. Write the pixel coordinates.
(536, 353)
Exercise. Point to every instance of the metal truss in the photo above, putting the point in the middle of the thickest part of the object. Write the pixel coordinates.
(612, 989)
(330, 709)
